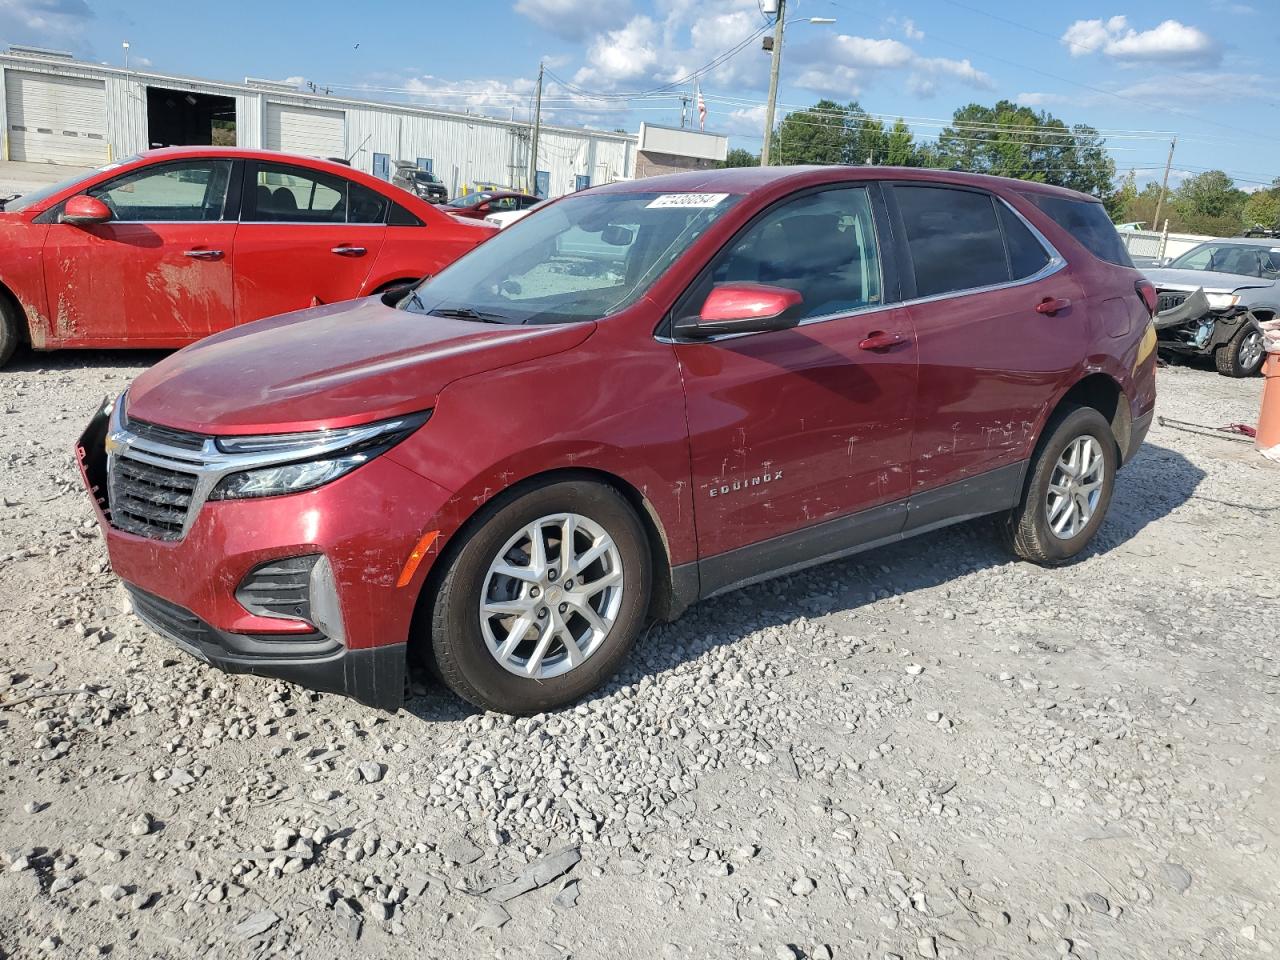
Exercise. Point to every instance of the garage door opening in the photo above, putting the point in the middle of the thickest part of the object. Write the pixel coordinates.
(179, 118)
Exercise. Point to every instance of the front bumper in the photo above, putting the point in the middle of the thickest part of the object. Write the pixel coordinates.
(365, 523)
(1192, 328)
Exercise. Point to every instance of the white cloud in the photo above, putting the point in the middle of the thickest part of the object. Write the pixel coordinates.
(1168, 40)
(46, 23)
(575, 19)
(848, 64)
(619, 55)
(911, 31)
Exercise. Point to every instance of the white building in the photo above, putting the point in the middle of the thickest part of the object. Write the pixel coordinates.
(55, 109)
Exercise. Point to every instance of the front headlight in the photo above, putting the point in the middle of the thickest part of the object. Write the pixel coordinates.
(293, 462)
(1222, 301)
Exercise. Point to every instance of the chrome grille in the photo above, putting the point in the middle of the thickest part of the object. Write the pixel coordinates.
(1168, 299)
(148, 500)
(167, 436)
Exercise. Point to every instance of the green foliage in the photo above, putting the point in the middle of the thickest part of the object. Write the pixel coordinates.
(829, 132)
(1262, 209)
(1209, 203)
(737, 157)
(1008, 140)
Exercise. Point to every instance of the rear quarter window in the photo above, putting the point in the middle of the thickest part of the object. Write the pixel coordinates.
(1088, 223)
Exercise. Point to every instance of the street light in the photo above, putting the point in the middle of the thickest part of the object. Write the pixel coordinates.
(772, 106)
(126, 54)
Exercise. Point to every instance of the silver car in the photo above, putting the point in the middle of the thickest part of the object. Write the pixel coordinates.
(1212, 298)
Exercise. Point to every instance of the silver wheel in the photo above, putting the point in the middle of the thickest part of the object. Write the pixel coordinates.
(551, 596)
(1075, 487)
(1251, 350)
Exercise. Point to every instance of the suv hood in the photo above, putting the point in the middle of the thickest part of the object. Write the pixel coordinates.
(331, 366)
(1212, 281)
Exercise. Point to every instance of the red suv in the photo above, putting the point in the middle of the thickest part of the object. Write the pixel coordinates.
(650, 393)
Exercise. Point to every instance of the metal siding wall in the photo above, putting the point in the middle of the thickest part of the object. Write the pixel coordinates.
(464, 149)
(126, 116)
(249, 120)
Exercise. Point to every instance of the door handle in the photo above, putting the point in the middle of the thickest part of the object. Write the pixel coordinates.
(1051, 305)
(879, 340)
(348, 251)
(203, 254)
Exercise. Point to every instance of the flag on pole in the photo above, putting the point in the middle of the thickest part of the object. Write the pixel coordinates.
(702, 110)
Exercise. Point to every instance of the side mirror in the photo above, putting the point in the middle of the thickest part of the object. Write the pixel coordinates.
(84, 210)
(483, 207)
(742, 308)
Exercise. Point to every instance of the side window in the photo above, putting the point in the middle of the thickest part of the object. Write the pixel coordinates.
(281, 194)
(822, 244)
(1027, 256)
(954, 239)
(1088, 223)
(193, 190)
(1197, 259)
(400, 217)
(365, 205)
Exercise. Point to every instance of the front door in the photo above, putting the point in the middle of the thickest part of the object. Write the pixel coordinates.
(792, 428)
(159, 273)
(988, 358)
(306, 237)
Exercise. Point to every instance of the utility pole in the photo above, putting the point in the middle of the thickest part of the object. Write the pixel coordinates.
(779, 22)
(684, 105)
(1164, 186)
(533, 141)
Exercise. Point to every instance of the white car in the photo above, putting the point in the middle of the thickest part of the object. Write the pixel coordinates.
(505, 218)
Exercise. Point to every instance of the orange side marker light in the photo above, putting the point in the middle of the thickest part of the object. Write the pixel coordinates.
(415, 557)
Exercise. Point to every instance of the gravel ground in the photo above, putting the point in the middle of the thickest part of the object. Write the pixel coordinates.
(929, 751)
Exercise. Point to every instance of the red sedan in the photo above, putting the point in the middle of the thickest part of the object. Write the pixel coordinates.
(173, 245)
(477, 206)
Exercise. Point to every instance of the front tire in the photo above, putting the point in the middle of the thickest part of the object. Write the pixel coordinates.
(1068, 490)
(522, 624)
(1242, 355)
(10, 330)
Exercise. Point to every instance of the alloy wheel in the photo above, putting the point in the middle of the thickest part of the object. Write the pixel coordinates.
(1075, 487)
(1251, 350)
(551, 596)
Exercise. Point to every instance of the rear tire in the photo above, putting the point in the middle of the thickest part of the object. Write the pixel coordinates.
(10, 329)
(537, 672)
(1059, 513)
(1242, 355)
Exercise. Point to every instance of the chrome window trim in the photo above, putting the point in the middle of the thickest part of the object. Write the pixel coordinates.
(1056, 263)
(210, 465)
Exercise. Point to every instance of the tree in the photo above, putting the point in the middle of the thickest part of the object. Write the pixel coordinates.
(1262, 209)
(820, 134)
(1124, 196)
(1210, 203)
(1009, 140)
(900, 146)
(737, 157)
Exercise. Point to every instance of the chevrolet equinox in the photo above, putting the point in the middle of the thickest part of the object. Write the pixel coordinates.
(643, 394)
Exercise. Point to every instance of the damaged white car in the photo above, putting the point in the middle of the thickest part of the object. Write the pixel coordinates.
(1212, 298)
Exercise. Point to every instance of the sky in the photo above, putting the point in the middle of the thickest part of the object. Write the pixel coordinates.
(1141, 72)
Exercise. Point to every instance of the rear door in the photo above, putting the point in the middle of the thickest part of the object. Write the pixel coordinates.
(306, 237)
(989, 360)
(160, 271)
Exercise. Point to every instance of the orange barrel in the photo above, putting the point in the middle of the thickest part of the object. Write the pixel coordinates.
(1268, 440)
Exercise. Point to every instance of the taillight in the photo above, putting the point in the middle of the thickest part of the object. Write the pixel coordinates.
(1147, 291)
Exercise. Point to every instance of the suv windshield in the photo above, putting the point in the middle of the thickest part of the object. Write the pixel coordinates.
(470, 200)
(582, 258)
(1244, 259)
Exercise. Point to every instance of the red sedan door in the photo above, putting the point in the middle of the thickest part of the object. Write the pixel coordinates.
(305, 237)
(159, 273)
(792, 428)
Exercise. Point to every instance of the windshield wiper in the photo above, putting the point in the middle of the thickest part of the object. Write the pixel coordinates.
(466, 313)
(4, 201)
